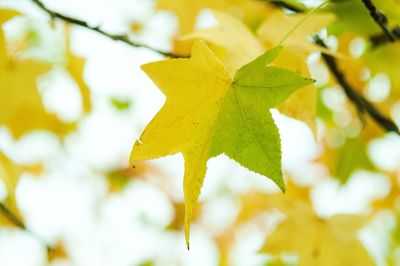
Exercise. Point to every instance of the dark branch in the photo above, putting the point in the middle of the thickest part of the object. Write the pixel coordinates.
(380, 39)
(380, 19)
(389, 35)
(123, 38)
(9, 215)
(362, 104)
(286, 5)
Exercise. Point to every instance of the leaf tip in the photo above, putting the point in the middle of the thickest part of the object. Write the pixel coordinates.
(187, 232)
(282, 187)
(281, 184)
(199, 46)
(145, 67)
(274, 52)
(133, 157)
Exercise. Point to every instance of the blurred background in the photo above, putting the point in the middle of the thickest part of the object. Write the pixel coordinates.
(83, 205)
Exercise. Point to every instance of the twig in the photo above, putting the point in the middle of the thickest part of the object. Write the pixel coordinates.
(362, 104)
(116, 37)
(380, 19)
(11, 217)
(286, 5)
(18, 223)
(380, 39)
(376, 40)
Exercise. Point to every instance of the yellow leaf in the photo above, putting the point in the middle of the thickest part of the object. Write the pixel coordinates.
(22, 109)
(251, 11)
(75, 66)
(252, 204)
(9, 175)
(240, 43)
(160, 139)
(6, 14)
(317, 241)
(187, 10)
(58, 252)
(277, 25)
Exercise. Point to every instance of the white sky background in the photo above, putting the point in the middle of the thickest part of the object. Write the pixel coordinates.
(71, 201)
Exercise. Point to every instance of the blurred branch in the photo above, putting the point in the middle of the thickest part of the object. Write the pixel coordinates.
(388, 35)
(361, 103)
(8, 214)
(11, 217)
(287, 6)
(379, 39)
(116, 37)
(380, 19)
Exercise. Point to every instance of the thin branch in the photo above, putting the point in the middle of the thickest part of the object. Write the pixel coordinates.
(116, 37)
(361, 103)
(376, 40)
(286, 5)
(9, 215)
(380, 19)
(380, 39)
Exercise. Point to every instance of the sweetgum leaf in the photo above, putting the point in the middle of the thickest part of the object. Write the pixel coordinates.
(208, 112)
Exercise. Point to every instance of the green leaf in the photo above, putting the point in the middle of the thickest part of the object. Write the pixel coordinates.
(120, 104)
(352, 157)
(245, 130)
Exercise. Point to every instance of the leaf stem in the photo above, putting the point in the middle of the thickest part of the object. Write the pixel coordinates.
(361, 103)
(302, 20)
(116, 37)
